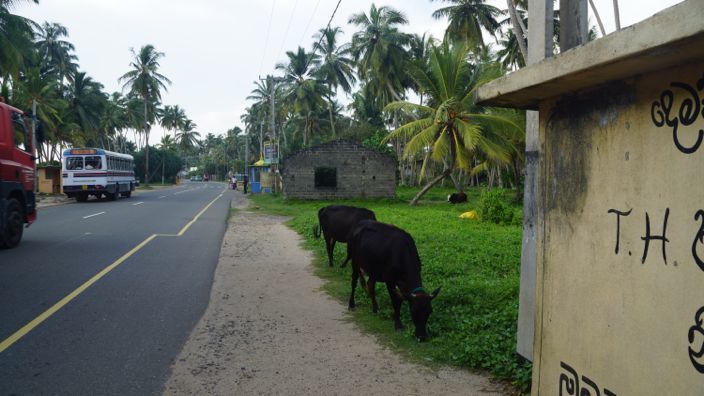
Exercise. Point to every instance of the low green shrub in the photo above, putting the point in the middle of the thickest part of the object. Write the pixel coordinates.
(493, 208)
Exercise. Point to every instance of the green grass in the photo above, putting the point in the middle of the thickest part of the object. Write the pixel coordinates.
(477, 264)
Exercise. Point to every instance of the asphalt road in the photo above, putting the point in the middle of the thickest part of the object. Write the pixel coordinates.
(120, 334)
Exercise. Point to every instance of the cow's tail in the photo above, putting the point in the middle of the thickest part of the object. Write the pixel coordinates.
(316, 230)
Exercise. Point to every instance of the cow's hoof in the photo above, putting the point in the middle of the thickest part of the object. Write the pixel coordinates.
(400, 327)
(350, 307)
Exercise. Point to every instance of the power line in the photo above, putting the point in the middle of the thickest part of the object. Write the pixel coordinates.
(268, 31)
(323, 35)
(312, 15)
(283, 41)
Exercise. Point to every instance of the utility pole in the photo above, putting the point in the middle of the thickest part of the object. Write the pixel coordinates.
(34, 145)
(275, 165)
(246, 153)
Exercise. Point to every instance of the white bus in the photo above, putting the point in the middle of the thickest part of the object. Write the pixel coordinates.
(98, 172)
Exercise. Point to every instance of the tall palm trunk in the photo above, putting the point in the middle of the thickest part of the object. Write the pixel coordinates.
(518, 29)
(146, 146)
(332, 121)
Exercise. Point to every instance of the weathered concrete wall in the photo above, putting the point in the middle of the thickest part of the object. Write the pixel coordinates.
(361, 172)
(621, 266)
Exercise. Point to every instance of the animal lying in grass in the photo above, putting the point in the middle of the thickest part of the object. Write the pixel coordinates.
(457, 198)
(336, 222)
(388, 254)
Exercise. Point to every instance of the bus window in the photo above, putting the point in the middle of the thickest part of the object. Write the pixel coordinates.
(74, 163)
(93, 162)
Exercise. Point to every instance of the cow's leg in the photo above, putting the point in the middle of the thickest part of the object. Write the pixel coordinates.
(371, 286)
(344, 263)
(330, 246)
(355, 276)
(396, 302)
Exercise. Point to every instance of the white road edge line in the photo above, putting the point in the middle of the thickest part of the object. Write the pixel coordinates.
(138, 203)
(94, 214)
(163, 196)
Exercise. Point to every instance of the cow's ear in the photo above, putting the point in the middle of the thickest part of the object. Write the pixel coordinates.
(435, 293)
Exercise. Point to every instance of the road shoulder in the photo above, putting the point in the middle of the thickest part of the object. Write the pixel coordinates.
(269, 329)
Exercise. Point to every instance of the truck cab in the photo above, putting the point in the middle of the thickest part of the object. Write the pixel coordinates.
(17, 176)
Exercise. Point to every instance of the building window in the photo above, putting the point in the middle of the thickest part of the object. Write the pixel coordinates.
(325, 177)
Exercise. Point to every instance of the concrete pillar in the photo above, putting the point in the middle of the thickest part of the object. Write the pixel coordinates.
(573, 23)
(540, 18)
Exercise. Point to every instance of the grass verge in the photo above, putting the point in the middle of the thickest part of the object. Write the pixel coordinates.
(477, 264)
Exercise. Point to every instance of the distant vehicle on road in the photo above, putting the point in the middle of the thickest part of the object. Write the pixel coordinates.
(17, 181)
(195, 178)
(97, 172)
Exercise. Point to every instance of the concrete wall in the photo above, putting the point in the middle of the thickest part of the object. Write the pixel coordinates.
(621, 266)
(361, 172)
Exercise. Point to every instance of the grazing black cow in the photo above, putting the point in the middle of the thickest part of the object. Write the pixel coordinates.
(388, 254)
(336, 221)
(457, 198)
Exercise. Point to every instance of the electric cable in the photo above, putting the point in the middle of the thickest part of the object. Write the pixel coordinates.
(268, 31)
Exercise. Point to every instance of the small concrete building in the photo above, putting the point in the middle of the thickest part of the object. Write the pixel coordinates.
(339, 169)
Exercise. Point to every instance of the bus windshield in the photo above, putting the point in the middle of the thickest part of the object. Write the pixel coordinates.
(74, 163)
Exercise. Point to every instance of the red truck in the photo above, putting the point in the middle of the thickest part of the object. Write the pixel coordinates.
(17, 180)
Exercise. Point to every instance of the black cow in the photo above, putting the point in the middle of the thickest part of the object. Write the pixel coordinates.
(457, 198)
(336, 221)
(388, 254)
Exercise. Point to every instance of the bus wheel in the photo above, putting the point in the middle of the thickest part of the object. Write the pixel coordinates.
(112, 196)
(81, 197)
(14, 224)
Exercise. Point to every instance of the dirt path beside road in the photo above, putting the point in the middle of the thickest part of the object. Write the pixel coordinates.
(270, 330)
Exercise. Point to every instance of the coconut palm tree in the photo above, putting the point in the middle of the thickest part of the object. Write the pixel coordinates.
(336, 67)
(467, 18)
(15, 39)
(145, 80)
(449, 129)
(86, 103)
(187, 137)
(303, 92)
(378, 48)
(56, 54)
(172, 117)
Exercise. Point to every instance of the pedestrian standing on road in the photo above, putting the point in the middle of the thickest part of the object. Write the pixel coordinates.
(245, 180)
(234, 183)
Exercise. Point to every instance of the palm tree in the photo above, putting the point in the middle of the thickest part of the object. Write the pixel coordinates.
(187, 137)
(42, 90)
(144, 80)
(379, 50)
(335, 68)
(172, 117)
(15, 39)
(86, 103)
(467, 18)
(168, 143)
(303, 92)
(448, 129)
(56, 54)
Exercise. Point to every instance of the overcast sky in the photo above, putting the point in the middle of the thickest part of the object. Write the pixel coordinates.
(215, 49)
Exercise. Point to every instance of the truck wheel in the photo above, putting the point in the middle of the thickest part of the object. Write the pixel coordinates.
(11, 235)
(81, 197)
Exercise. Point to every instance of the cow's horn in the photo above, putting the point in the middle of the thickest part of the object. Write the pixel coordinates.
(435, 292)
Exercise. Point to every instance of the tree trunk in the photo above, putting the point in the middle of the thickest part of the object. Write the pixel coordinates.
(146, 146)
(617, 15)
(332, 121)
(430, 185)
(598, 18)
(517, 31)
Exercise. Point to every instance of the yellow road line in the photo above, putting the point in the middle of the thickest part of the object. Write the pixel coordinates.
(46, 314)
